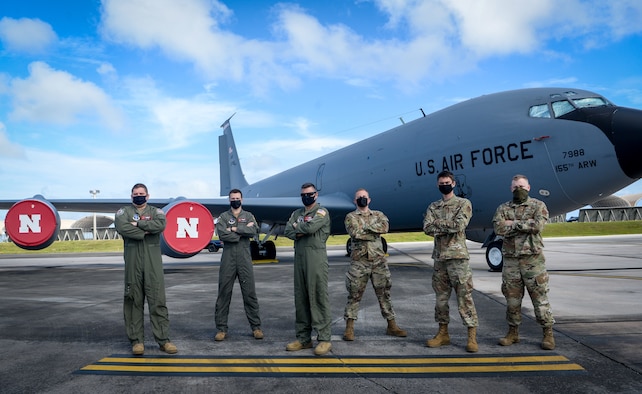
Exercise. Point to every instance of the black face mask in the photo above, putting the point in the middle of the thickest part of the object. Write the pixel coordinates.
(445, 189)
(307, 200)
(235, 204)
(520, 195)
(139, 200)
(362, 202)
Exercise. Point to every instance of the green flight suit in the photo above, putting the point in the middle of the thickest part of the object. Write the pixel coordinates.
(143, 271)
(310, 231)
(236, 262)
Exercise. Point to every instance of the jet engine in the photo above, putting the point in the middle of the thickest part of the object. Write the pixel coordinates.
(189, 229)
(33, 223)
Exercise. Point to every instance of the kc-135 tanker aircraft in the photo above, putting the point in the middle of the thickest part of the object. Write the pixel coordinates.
(575, 146)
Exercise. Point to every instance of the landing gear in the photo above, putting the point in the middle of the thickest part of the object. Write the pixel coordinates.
(494, 256)
(254, 250)
(262, 251)
(270, 250)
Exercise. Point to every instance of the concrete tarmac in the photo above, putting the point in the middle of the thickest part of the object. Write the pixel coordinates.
(62, 328)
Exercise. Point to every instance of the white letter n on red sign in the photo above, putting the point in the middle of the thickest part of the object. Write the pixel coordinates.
(187, 227)
(29, 223)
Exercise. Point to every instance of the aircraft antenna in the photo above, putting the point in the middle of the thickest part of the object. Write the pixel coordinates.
(422, 112)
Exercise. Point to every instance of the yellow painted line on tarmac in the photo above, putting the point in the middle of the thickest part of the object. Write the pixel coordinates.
(340, 361)
(266, 261)
(335, 370)
(413, 366)
(601, 276)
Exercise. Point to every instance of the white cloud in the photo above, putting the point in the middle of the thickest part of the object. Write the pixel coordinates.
(106, 69)
(179, 120)
(263, 158)
(7, 148)
(493, 27)
(26, 35)
(113, 174)
(624, 17)
(49, 95)
(190, 31)
(439, 37)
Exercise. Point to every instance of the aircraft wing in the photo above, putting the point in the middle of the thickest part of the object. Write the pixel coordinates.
(89, 205)
(269, 209)
(279, 209)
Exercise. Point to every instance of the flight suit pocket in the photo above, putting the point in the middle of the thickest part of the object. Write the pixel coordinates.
(542, 279)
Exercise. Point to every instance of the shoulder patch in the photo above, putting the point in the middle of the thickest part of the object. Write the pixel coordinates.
(159, 211)
(120, 211)
(322, 212)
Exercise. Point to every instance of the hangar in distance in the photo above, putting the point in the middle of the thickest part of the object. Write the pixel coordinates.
(575, 146)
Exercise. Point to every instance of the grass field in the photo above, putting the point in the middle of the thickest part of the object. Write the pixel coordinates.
(551, 230)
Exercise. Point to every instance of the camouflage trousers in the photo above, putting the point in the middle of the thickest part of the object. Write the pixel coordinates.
(357, 277)
(526, 272)
(454, 274)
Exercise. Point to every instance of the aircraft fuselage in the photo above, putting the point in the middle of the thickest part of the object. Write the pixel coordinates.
(484, 142)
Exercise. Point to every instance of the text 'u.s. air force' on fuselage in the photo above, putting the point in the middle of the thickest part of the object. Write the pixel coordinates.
(575, 146)
(486, 156)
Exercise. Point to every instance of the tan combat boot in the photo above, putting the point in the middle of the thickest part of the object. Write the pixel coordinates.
(472, 347)
(442, 337)
(169, 348)
(322, 348)
(138, 349)
(548, 343)
(511, 337)
(394, 330)
(348, 335)
(296, 346)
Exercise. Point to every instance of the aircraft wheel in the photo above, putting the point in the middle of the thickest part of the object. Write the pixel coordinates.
(494, 256)
(270, 250)
(254, 250)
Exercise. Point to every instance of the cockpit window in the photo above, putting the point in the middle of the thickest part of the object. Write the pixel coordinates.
(590, 102)
(539, 111)
(562, 107)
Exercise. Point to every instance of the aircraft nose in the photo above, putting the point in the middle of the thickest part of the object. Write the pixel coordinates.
(626, 134)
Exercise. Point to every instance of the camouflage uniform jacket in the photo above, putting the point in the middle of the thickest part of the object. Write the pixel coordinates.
(365, 229)
(523, 236)
(446, 221)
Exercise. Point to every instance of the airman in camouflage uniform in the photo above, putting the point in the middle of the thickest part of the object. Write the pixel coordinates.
(446, 220)
(521, 222)
(368, 262)
(309, 227)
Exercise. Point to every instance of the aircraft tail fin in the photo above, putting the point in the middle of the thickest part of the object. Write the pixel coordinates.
(230, 167)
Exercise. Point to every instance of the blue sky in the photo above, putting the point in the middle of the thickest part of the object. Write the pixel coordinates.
(104, 94)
